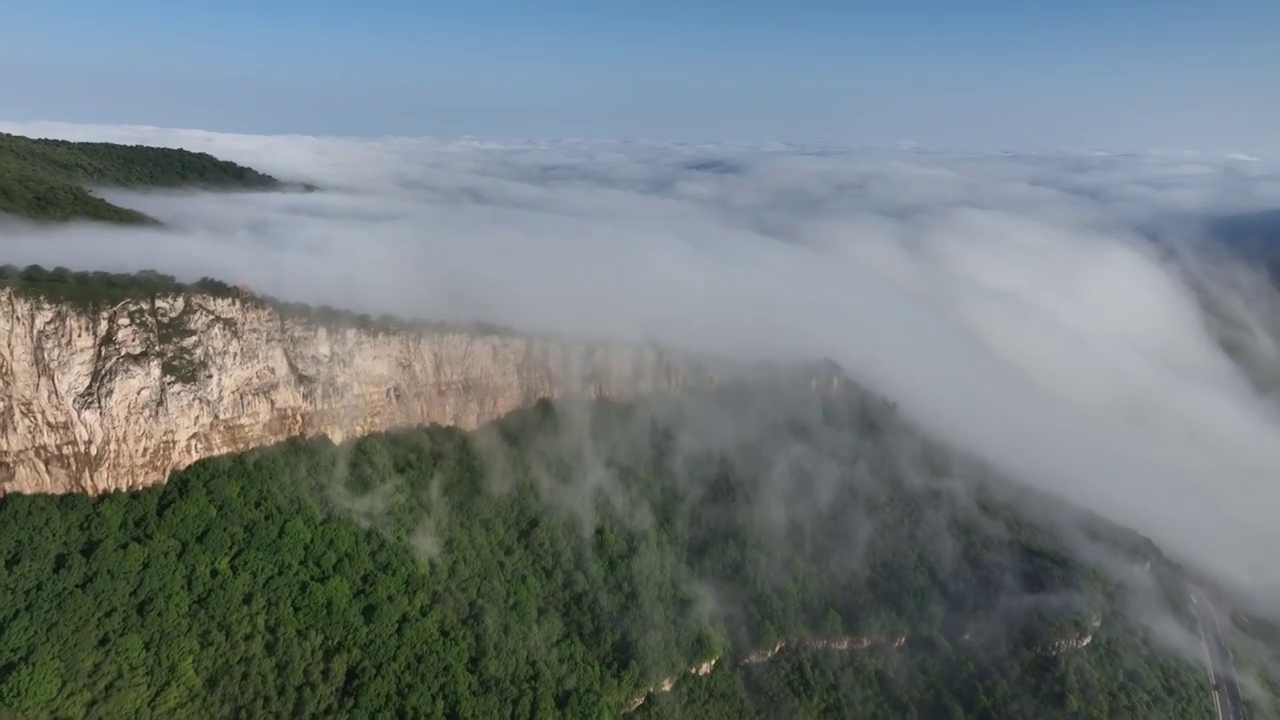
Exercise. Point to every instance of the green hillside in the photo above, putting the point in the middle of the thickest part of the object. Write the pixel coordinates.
(560, 563)
(52, 180)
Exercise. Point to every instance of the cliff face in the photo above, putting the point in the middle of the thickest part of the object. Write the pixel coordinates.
(94, 401)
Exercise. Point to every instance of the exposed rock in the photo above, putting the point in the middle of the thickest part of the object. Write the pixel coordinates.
(846, 643)
(764, 655)
(95, 401)
(669, 683)
(1074, 641)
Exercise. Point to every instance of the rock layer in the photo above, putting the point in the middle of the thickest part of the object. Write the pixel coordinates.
(118, 397)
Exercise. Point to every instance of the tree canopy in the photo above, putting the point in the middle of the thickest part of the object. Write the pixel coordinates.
(560, 563)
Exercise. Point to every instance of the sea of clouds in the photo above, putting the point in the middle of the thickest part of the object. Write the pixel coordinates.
(1012, 304)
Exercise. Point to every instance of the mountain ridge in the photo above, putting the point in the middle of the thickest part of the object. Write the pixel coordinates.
(116, 392)
(53, 180)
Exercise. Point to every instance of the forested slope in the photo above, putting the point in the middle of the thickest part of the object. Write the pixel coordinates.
(51, 180)
(563, 561)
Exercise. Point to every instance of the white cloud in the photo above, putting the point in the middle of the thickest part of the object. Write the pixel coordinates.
(1006, 302)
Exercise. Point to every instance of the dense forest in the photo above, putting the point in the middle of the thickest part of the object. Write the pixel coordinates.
(564, 562)
(51, 180)
(98, 290)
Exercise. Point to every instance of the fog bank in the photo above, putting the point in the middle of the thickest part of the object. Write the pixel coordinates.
(1009, 304)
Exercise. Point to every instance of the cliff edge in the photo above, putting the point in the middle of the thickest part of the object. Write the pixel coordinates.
(116, 396)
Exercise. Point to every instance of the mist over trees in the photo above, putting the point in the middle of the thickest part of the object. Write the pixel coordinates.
(563, 562)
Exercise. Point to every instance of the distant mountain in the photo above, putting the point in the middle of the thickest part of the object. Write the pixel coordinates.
(52, 180)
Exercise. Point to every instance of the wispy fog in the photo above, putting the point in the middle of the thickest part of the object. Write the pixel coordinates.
(1010, 304)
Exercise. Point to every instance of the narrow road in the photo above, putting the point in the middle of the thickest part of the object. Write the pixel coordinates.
(1221, 666)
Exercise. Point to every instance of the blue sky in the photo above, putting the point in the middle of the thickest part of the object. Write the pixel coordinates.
(1135, 74)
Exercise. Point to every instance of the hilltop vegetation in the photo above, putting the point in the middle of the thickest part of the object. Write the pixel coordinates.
(560, 562)
(97, 290)
(51, 180)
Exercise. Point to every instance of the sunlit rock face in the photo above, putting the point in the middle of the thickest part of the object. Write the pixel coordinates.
(117, 398)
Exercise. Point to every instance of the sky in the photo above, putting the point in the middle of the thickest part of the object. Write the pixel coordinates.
(999, 74)
(1007, 302)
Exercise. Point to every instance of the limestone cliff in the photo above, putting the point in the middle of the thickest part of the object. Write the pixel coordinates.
(117, 397)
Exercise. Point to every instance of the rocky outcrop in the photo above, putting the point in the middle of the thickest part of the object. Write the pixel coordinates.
(839, 644)
(118, 397)
(1074, 641)
(669, 683)
(845, 643)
